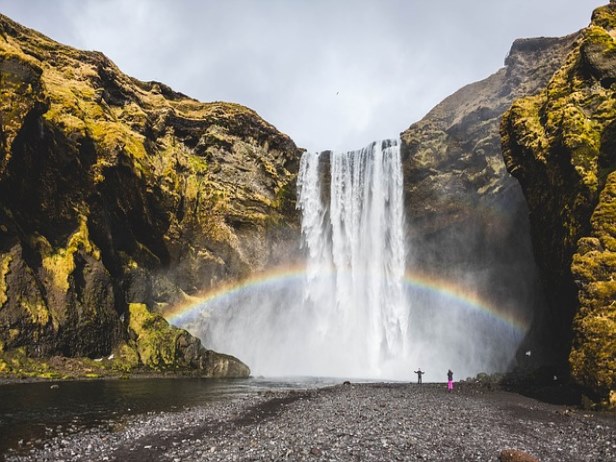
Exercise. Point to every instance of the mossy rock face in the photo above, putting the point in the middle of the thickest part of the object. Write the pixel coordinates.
(469, 216)
(160, 346)
(560, 145)
(452, 157)
(115, 191)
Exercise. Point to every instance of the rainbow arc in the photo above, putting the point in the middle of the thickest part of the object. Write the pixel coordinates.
(278, 277)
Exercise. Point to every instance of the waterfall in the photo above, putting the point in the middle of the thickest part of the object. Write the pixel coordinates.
(346, 314)
(354, 242)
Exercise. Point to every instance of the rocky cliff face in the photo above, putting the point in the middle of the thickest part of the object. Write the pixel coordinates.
(470, 219)
(117, 195)
(561, 146)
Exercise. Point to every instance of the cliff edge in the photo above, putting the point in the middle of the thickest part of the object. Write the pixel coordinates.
(118, 197)
(469, 215)
(561, 146)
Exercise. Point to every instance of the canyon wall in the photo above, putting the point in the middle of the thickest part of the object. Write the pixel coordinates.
(118, 197)
(561, 146)
(468, 217)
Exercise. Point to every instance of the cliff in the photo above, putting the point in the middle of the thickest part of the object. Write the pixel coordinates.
(469, 216)
(561, 146)
(454, 152)
(118, 197)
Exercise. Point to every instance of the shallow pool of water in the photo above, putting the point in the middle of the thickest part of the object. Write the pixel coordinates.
(32, 412)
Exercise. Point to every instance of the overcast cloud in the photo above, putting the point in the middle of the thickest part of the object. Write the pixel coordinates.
(332, 74)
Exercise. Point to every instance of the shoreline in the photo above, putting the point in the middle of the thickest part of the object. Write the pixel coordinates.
(367, 421)
(119, 377)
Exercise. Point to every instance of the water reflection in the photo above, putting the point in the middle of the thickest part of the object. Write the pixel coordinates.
(33, 412)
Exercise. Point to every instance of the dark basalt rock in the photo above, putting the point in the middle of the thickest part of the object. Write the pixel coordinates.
(117, 193)
(470, 218)
(559, 145)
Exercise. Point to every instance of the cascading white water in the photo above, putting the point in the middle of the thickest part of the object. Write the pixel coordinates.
(347, 314)
(353, 235)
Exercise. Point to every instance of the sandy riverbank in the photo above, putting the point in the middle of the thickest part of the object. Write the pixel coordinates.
(368, 422)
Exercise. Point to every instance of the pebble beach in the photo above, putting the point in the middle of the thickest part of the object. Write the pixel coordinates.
(348, 422)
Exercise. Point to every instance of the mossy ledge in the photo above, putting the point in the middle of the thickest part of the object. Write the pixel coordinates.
(119, 197)
(561, 145)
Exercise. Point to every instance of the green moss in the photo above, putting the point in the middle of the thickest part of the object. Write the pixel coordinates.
(75, 106)
(113, 135)
(39, 314)
(604, 17)
(594, 362)
(16, 363)
(131, 114)
(126, 358)
(5, 262)
(599, 36)
(603, 220)
(197, 164)
(13, 334)
(593, 356)
(526, 124)
(555, 141)
(47, 375)
(60, 263)
(156, 340)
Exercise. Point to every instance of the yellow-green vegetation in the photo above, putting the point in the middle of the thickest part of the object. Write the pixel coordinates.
(569, 116)
(60, 263)
(173, 182)
(559, 143)
(39, 314)
(156, 340)
(593, 356)
(19, 90)
(604, 17)
(596, 35)
(5, 261)
(527, 126)
(17, 364)
(126, 358)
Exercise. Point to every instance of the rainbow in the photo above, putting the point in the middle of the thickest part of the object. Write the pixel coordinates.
(465, 298)
(461, 296)
(231, 289)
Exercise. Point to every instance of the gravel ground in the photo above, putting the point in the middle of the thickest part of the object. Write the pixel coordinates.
(367, 422)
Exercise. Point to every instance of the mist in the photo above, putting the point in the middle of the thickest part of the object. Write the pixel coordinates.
(365, 304)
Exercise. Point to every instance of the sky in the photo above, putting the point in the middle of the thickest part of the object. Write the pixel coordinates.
(332, 74)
